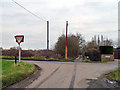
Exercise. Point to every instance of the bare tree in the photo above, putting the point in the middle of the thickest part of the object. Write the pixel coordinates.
(81, 40)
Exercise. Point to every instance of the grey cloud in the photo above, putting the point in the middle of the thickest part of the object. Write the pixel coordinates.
(88, 18)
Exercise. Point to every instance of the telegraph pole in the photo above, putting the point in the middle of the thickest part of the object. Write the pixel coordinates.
(118, 24)
(66, 40)
(47, 35)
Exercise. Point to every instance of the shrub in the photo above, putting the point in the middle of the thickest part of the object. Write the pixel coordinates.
(31, 53)
(94, 54)
(27, 53)
(10, 52)
(106, 49)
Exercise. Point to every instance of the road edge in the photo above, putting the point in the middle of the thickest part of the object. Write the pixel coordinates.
(103, 80)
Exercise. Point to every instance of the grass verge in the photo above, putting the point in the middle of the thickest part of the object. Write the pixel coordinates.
(86, 60)
(12, 73)
(37, 58)
(115, 75)
(91, 61)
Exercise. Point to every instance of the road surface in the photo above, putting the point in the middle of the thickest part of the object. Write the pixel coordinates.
(69, 74)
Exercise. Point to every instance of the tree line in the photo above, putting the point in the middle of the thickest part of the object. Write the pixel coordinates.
(77, 45)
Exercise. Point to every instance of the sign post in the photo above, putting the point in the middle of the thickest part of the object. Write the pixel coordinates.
(19, 39)
(19, 54)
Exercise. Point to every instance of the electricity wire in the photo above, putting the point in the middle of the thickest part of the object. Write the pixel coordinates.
(29, 11)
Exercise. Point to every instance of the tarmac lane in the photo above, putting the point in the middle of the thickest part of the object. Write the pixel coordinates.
(69, 75)
(47, 71)
(87, 72)
(61, 78)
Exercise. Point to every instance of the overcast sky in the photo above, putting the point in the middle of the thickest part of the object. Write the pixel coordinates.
(88, 17)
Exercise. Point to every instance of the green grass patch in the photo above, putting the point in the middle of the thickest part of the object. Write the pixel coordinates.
(86, 60)
(23, 58)
(91, 61)
(7, 57)
(62, 60)
(36, 58)
(115, 75)
(12, 73)
(32, 58)
(52, 59)
(103, 61)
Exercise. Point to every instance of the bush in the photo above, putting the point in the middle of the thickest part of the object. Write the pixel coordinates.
(115, 75)
(31, 53)
(10, 52)
(72, 45)
(106, 49)
(27, 53)
(94, 54)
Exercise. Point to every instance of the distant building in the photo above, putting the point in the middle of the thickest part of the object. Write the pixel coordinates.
(117, 53)
(119, 38)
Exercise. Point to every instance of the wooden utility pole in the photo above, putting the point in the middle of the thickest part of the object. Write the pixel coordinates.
(47, 35)
(66, 40)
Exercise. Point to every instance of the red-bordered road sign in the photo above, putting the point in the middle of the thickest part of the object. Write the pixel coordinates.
(19, 39)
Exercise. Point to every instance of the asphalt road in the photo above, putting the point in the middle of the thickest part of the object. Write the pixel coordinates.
(69, 74)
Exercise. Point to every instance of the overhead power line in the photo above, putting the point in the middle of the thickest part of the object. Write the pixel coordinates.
(29, 11)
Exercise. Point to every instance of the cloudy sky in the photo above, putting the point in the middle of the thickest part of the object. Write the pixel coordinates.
(88, 17)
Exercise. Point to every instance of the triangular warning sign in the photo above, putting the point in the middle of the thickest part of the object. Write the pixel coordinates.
(19, 38)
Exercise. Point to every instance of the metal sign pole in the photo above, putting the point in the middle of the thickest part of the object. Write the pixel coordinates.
(19, 39)
(47, 35)
(19, 53)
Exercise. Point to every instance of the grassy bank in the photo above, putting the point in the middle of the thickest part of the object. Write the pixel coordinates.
(12, 73)
(24, 58)
(91, 61)
(115, 75)
(37, 58)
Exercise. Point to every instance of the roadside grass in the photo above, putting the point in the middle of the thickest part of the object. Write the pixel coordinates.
(115, 75)
(32, 58)
(103, 61)
(24, 58)
(12, 73)
(91, 61)
(7, 57)
(37, 58)
(52, 59)
(62, 60)
(86, 60)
